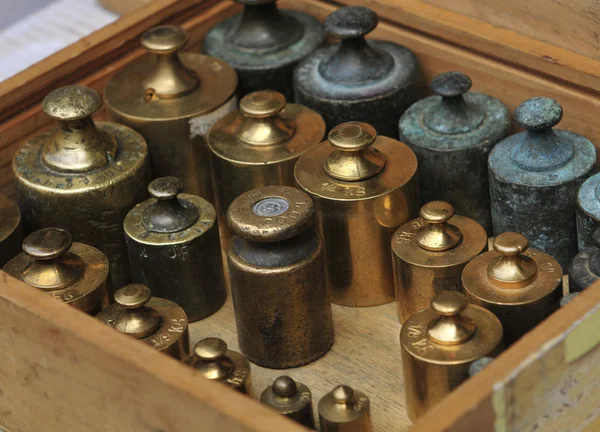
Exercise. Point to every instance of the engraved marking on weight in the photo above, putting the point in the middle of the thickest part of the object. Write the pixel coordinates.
(238, 377)
(416, 224)
(404, 237)
(547, 267)
(414, 331)
(271, 207)
(177, 325)
(423, 347)
(346, 190)
(305, 397)
(360, 402)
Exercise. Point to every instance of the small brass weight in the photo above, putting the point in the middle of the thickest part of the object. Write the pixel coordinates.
(291, 399)
(345, 410)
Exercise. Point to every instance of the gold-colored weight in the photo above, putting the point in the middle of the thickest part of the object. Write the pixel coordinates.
(439, 344)
(173, 99)
(75, 273)
(259, 146)
(173, 244)
(291, 399)
(215, 362)
(364, 188)
(157, 322)
(11, 230)
(430, 254)
(345, 410)
(520, 286)
(84, 176)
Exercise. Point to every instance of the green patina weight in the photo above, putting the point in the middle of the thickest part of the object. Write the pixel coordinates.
(585, 268)
(588, 211)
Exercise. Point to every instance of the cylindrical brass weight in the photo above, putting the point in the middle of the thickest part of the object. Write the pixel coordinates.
(157, 322)
(174, 249)
(282, 309)
(520, 286)
(439, 345)
(74, 273)
(430, 254)
(291, 399)
(83, 177)
(215, 362)
(173, 99)
(364, 188)
(11, 230)
(259, 146)
(345, 410)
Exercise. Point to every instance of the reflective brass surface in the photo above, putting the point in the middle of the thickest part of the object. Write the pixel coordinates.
(215, 362)
(439, 345)
(357, 217)
(430, 254)
(173, 99)
(11, 230)
(83, 176)
(173, 245)
(345, 410)
(74, 273)
(157, 322)
(521, 286)
(291, 399)
(259, 146)
(282, 309)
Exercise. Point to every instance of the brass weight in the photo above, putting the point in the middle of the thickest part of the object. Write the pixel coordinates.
(174, 249)
(157, 322)
(173, 99)
(74, 273)
(83, 176)
(364, 188)
(521, 286)
(345, 410)
(438, 346)
(291, 399)
(11, 230)
(430, 254)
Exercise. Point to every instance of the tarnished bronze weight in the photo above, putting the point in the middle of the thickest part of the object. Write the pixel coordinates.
(215, 362)
(440, 344)
(430, 254)
(11, 230)
(588, 211)
(157, 322)
(291, 399)
(174, 249)
(83, 177)
(521, 286)
(282, 309)
(345, 410)
(259, 146)
(173, 99)
(585, 267)
(364, 187)
(74, 273)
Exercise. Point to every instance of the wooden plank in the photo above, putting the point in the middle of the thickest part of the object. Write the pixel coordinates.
(123, 7)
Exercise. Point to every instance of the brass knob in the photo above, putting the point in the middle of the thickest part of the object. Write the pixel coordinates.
(285, 387)
(343, 395)
(136, 320)
(450, 328)
(71, 102)
(168, 214)
(263, 125)
(511, 266)
(213, 362)
(437, 234)
(353, 159)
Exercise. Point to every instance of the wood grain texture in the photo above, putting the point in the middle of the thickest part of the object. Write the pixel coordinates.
(123, 7)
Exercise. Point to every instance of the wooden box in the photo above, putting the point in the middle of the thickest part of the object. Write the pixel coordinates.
(61, 370)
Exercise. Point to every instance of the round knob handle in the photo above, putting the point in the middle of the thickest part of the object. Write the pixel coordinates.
(164, 39)
(451, 84)
(511, 244)
(71, 102)
(437, 212)
(450, 327)
(436, 234)
(262, 104)
(343, 394)
(285, 387)
(538, 113)
(511, 266)
(165, 188)
(352, 136)
(210, 349)
(47, 243)
(449, 303)
(351, 22)
(133, 296)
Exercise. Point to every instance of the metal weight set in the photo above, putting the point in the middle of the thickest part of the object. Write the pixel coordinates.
(332, 183)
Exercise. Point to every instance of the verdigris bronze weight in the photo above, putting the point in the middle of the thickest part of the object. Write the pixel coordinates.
(588, 211)
(585, 268)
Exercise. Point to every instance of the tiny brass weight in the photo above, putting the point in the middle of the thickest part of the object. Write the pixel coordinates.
(173, 99)
(215, 362)
(521, 286)
(174, 249)
(291, 399)
(259, 146)
(157, 322)
(585, 267)
(282, 309)
(74, 273)
(364, 187)
(588, 211)
(438, 346)
(11, 230)
(430, 254)
(345, 410)
(84, 176)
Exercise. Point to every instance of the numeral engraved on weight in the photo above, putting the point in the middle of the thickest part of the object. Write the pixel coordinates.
(415, 331)
(416, 224)
(360, 402)
(547, 267)
(404, 237)
(159, 340)
(347, 190)
(238, 377)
